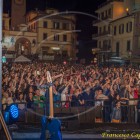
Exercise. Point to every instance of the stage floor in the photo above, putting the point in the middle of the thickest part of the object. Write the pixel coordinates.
(30, 132)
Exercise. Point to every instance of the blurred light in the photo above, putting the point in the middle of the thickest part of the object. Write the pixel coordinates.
(14, 111)
(64, 62)
(55, 48)
(127, 9)
(11, 114)
(3, 59)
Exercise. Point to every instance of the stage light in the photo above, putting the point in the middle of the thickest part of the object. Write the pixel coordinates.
(14, 111)
(11, 114)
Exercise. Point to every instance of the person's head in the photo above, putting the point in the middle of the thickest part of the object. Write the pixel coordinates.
(21, 96)
(31, 89)
(118, 104)
(100, 91)
(131, 89)
(108, 86)
(37, 92)
(117, 97)
(76, 92)
(6, 95)
(115, 87)
(30, 95)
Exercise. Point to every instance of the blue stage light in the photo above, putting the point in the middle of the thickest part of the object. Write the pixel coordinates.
(11, 114)
(14, 111)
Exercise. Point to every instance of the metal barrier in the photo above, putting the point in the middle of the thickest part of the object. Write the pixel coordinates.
(89, 113)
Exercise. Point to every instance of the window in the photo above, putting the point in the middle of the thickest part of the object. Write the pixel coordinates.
(104, 28)
(34, 26)
(100, 30)
(3, 24)
(100, 44)
(128, 45)
(45, 24)
(99, 16)
(129, 27)
(56, 37)
(64, 38)
(45, 36)
(105, 47)
(117, 49)
(65, 26)
(109, 12)
(109, 29)
(102, 15)
(115, 30)
(56, 25)
(106, 13)
(121, 29)
(72, 27)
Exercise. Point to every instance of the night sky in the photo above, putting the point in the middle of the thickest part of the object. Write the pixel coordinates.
(84, 23)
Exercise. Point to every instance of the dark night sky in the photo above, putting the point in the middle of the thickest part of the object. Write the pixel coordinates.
(84, 23)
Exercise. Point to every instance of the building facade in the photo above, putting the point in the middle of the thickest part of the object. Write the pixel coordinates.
(122, 36)
(47, 34)
(55, 33)
(116, 28)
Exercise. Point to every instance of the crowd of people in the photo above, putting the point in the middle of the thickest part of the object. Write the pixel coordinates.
(110, 88)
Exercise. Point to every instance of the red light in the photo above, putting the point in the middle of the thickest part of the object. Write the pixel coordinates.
(64, 62)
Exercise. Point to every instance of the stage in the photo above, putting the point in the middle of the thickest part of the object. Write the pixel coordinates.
(30, 132)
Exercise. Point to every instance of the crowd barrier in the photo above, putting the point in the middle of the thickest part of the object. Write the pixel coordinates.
(83, 114)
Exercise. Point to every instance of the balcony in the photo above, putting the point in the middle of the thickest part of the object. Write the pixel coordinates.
(106, 18)
(106, 33)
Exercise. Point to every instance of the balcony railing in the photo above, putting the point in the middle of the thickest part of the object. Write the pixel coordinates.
(109, 17)
(101, 34)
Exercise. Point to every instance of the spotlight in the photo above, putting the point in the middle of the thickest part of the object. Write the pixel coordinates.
(11, 114)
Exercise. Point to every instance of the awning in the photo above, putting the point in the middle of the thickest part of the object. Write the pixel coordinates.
(22, 59)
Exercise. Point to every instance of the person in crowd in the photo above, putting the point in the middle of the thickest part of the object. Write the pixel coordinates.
(124, 97)
(77, 99)
(39, 99)
(6, 100)
(56, 98)
(131, 111)
(99, 102)
(30, 101)
(88, 96)
(21, 102)
(116, 115)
